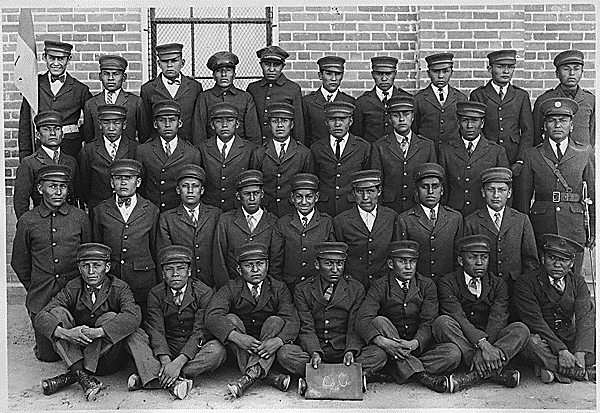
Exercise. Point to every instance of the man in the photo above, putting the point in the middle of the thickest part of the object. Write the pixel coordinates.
(296, 234)
(331, 74)
(435, 105)
(164, 156)
(474, 308)
(397, 315)
(367, 228)
(253, 315)
(112, 76)
(96, 156)
(569, 70)
(192, 224)
(513, 250)
(556, 171)
(43, 250)
(280, 158)
(89, 322)
(249, 223)
(49, 132)
(555, 304)
(276, 87)
(58, 91)
(180, 348)
(508, 116)
(224, 157)
(398, 154)
(434, 226)
(327, 307)
(465, 158)
(127, 223)
(171, 85)
(222, 65)
(336, 156)
(371, 121)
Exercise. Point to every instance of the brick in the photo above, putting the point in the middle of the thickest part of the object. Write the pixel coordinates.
(60, 28)
(74, 37)
(546, 17)
(385, 36)
(511, 15)
(321, 8)
(128, 17)
(557, 8)
(382, 17)
(583, 7)
(397, 9)
(460, 15)
(355, 37)
(319, 46)
(304, 17)
(590, 36)
(72, 17)
(331, 37)
(485, 15)
(571, 17)
(545, 36)
(569, 36)
(583, 27)
(302, 37)
(458, 34)
(88, 47)
(343, 26)
(558, 27)
(87, 27)
(59, 10)
(357, 17)
(291, 27)
(127, 37)
(446, 25)
(100, 37)
(498, 25)
(39, 18)
(113, 27)
(442, 45)
(371, 9)
(318, 27)
(345, 46)
(330, 17)
(370, 27)
(438, 15)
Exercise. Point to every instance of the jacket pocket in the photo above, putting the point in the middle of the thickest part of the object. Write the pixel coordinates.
(143, 264)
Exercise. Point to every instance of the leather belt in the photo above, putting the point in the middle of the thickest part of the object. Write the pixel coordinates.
(558, 196)
(70, 128)
(561, 325)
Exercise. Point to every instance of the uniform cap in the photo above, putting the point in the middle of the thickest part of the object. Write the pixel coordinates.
(383, 63)
(470, 109)
(401, 103)
(474, 243)
(496, 174)
(305, 181)
(54, 172)
(562, 246)
(568, 56)
(223, 110)
(251, 251)
(166, 108)
(113, 62)
(338, 109)
(93, 251)
(366, 179)
(404, 248)
(427, 170)
(332, 63)
(249, 177)
(126, 167)
(332, 250)
(169, 51)
(49, 117)
(439, 61)
(272, 53)
(222, 59)
(192, 171)
(174, 254)
(112, 112)
(503, 57)
(280, 110)
(54, 48)
(559, 106)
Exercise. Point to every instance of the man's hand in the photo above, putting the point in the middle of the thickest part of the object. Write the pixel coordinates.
(268, 347)
(73, 335)
(568, 363)
(392, 347)
(169, 372)
(492, 359)
(244, 341)
(315, 360)
(348, 358)
(516, 169)
(93, 333)
(591, 243)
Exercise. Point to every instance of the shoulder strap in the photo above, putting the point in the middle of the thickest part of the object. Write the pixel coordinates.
(561, 178)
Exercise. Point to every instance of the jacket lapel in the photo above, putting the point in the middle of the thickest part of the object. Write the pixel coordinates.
(101, 296)
(262, 225)
(357, 222)
(160, 88)
(569, 153)
(236, 149)
(240, 221)
(177, 153)
(491, 93)
(431, 98)
(459, 149)
(462, 286)
(507, 221)
(317, 291)
(138, 210)
(413, 289)
(350, 146)
(296, 223)
(185, 217)
(394, 146)
(271, 152)
(184, 87)
(486, 220)
(66, 87)
(452, 94)
(159, 150)
(265, 295)
(547, 151)
(424, 219)
(101, 149)
(340, 294)
(43, 157)
(122, 150)
(485, 287)
(441, 221)
(113, 211)
(413, 148)
(187, 296)
(480, 150)
(44, 84)
(291, 150)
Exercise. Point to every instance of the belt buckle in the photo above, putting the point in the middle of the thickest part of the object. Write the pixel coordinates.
(555, 196)
(558, 324)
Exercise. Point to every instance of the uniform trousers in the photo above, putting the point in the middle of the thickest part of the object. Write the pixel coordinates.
(44, 349)
(538, 351)
(435, 358)
(512, 339)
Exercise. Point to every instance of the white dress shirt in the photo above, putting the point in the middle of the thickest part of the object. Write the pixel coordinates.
(256, 216)
(115, 95)
(220, 145)
(368, 217)
(107, 145)
(286, 145)
(468, 280)
(343, 142)
(325, 93)
(182, 293)
(126, 210)
(563, 146)
(428, 210)
(308, 217)
(55, 86)
(380, 94)
(173, 88)
(172, 144)
(475, 142)
(493, 213)
(436, 92)
(50, 152)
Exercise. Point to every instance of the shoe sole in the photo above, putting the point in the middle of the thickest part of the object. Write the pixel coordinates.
(546, 376)
(234, 391)
(451, 385)
(286, 383)
(134, 383)
(92, 394)
(518, 379)
(301, 386)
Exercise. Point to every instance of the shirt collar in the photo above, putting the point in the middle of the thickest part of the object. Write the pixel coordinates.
(165, 80)
(497, 88)
(195, 210)
(428, 210)
(172, 143)
(107, 143)
(468, 278)
(436, 90)
(561, 282)
(475, 142)
(182, 290)
(50, 152)
(379, 92)
(333, 140)
(133, 201)
(309, 216)
(400, 137)
(492, 213)
(400, 282)
(116, 92)
(364, 213)
(220, 143)
(325, 93)
(218, 90)
(259, 286)
(277, 144)
(563, 146)
(45, 211)
(257, 215)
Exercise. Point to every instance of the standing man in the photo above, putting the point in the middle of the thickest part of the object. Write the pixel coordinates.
(367, 228)
(435, 106)
(569, 70)
(280, 158)
(275, 87)
(398, 154)
(331, 74)
(45, 245)
(434, 226)
(112, 75)
(370, 120)
(171, 85)
(164, 156)
(464, 159)
(58, 91)
(336, 156)
(556, 171)
(192, 224)
(222, 65)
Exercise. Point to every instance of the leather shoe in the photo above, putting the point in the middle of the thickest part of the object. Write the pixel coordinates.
(591, 373)
(433, 382)
(508, 378)
(546, 376)
(462, 381)
(90, 385)
(278, 380)
(301, 386)
(181, 388)
(134, 382)
(238, 387)
(54, 384)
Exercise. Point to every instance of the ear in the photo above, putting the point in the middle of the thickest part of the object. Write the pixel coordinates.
(182, 62)
(155, 124)
(320, 75)
(317, 265)
(124, 77)
(390, 263)
(100, 76)
(316, 196)
(482, 189)
(238, 269)
(292, 124)
(180, 123)
(108, 266)
(489, 69)
(178, 190)
(39, 188)
(509, 193)
(138, 182)
(125, 124)
(351, 121)
(460, 261)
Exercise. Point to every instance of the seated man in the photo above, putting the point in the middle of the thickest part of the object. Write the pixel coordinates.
(327, 306)
(89, 321)
(253, 315)
(555, 304)
(397, 315)
(474, 307)
(182, 348)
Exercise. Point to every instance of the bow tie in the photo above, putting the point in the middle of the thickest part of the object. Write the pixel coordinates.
(60, 78)
(176, 81)
(92, 289)
(126, 201)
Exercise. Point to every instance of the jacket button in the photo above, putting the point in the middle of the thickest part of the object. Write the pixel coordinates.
(124, 249)
(326, 321)
(250, 239)
(223, 177)
(57, 275)
(467, 179)
(304, 264)
(557, 208)
(126, 226)
(370, 239)
(56, 260)
(53, 229)
(303, 234)
(54, 244)
(339, 164)
(222, 189)
(404, 304)
(468, 166)
(122, 261)
(432, 237)
(304, 248)
(163, 204)
(125, 237)
(162, 182)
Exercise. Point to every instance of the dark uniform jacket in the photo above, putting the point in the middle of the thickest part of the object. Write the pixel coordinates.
(293, 246)
(434, 121)
(26, 180)
(187, 96)
(584, 121)
(283, 90)
(335, 185)
(44, 252)
(94, 169)
(412, 313)
(114, 296)
(508, 122)
(219, 186)
(562, 218)
(566, 321)
(181, 326)
(233, 232)
(133, 103)
(478, 318)
(249, 128)
(235, 298)
(463, 174)
(69, 101)
(133, 243)
(371, 120)
(159, 173)
(437, 255)
(313, 110)
(175, 227)
(278, 175)
(397, 171)
(367, 251)
(330, 322)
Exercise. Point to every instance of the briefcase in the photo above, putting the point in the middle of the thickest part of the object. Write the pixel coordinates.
(334, 382)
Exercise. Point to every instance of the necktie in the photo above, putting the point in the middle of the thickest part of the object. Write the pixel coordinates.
(432, 217)
(93, 293)
(385, 99)
(223, 151)
(60, 78)
(121, 201)
(55, 157)
(557, 287)
(473, 287)
(167, 149)
(178, 297)
(338, 153)
(110, 98)
(404, 146)
(113, 150)
(304, 221)
(193, 217)
(174, 81)
(501, 93)
(250, 222)
(559, 153)
(404, 286)
(328, 292)
(255, 293)
(441, 95)
(329, 97)
(497, 220)
(282, 152)
(470, 149)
